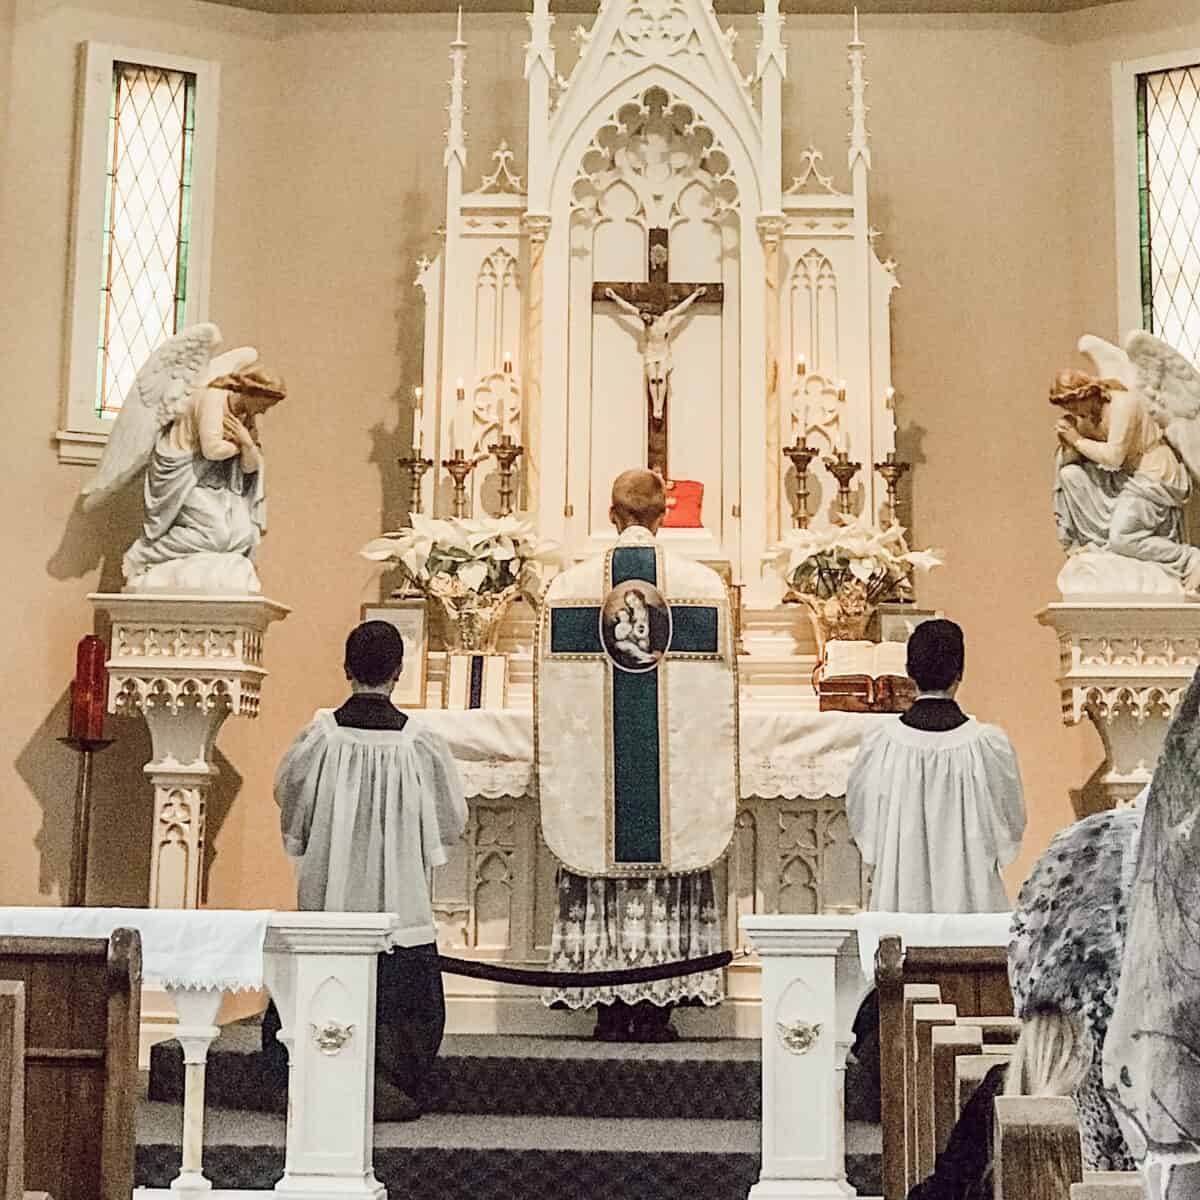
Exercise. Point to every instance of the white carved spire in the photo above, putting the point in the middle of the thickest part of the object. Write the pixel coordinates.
(771, 70)
(456, 136)
(539, 74)
(860, 150)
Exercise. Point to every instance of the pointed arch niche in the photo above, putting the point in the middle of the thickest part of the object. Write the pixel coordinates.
(654, 163)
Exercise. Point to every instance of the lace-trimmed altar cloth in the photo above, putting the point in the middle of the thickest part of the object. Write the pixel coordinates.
(205, 949)
(785, 754)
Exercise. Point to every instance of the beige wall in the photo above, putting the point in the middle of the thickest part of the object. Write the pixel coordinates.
(992, 186)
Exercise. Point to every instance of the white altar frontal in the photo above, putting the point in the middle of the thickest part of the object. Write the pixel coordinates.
(649, 287)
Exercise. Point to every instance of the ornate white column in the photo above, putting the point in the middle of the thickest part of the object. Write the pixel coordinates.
(197, 1030)
(320, 968)
(184, 663)
(811, 987)
(536, 227)
(1125, 667)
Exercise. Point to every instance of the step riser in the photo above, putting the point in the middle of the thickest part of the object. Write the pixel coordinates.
(503, 1174)
(686, 1089)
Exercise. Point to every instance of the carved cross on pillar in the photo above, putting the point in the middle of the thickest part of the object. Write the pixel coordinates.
(660, 306)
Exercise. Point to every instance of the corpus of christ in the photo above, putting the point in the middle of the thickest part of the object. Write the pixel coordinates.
(588, 675)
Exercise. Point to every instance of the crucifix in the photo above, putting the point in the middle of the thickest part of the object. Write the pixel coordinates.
(660, 306)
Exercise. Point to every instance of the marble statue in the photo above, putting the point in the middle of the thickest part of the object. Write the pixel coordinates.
(190, 422)
(656, 343)
(1128, 448)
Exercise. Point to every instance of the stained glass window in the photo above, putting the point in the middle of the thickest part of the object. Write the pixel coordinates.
(1168, 121)
(147, 217)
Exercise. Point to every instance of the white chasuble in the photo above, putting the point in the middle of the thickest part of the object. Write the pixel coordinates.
(635, 713)
(937, 815)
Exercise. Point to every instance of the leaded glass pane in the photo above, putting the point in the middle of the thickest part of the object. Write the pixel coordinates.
(1169, 190)
(146, 219)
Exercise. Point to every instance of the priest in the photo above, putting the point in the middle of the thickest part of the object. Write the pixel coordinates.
(636, 719)
(934, 799)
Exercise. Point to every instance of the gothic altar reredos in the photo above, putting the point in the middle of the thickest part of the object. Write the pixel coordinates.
(655, 284)
(640, 287)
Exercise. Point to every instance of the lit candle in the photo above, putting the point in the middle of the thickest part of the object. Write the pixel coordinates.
(844, 442)
(889, 397)
(841, 391)
(508, 361)
(418, 404)
(89, 690)
(801, 367)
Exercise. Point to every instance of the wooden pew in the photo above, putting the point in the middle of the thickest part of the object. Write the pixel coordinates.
(12, 1090)
(969, 1072)
(927, 1019)
(972, 978)
(82, 1012)
(1037, 1152)
(1109, 1185)
(949, 1045)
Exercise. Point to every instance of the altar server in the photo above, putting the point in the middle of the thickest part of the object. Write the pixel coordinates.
(369, 803)
(934, 799)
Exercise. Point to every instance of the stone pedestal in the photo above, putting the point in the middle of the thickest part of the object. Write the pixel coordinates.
(184, 663)
(1125, 666)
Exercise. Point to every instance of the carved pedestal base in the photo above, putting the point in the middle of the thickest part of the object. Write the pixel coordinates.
(184, 663)
(1126, 667)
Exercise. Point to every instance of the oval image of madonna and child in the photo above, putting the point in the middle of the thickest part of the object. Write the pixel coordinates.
(635, 626)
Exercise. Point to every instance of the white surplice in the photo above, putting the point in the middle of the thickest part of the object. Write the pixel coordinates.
(369, 812)
(937, 815)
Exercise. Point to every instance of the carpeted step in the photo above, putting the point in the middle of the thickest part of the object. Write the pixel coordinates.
(515, 1076)
(469, 1157)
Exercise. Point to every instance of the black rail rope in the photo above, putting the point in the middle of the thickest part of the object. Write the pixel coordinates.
(572, 979)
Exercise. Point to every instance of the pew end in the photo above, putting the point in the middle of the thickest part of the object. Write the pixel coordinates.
(1037, 1150)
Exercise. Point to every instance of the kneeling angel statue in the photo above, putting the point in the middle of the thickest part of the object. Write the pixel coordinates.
(190, 421)
(1129, 447)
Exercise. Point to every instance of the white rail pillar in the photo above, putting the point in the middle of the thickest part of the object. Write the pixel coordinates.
(320, 968)
(196, 1031)
(811, 987)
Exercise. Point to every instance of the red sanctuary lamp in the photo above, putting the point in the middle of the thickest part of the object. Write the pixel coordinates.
(89, 702)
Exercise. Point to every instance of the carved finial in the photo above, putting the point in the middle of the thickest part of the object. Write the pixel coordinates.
(456, 137)
(859, 147)
(458, 37)
(502, 178)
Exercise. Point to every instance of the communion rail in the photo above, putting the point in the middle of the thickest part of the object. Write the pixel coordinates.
(320, 969)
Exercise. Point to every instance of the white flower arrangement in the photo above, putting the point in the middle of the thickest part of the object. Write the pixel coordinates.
(820, 562)
(481, 555)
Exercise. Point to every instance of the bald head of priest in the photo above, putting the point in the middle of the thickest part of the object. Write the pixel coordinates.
(638, 498)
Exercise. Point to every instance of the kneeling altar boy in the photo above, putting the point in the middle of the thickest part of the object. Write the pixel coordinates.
(636, 721)
(369, 803)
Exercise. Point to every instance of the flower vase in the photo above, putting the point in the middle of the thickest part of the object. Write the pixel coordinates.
(844, 616)
(470, 620)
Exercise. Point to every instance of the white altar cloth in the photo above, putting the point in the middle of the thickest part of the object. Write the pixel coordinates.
(927, 929)
(205, 949)
(784, 754)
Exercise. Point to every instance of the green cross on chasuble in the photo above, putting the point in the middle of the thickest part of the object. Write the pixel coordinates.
(609, 723)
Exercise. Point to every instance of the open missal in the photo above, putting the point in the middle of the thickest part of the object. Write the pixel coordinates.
(866, 677)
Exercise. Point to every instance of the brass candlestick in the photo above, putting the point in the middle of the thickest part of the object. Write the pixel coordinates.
(459, 466)
(416, 466)
(801, 456)
(843, 470)
(892, 470)
(506, 452)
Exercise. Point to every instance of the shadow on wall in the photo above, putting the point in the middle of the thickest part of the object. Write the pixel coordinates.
(100, 539)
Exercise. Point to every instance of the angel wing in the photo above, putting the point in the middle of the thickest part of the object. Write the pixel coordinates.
(1171, 386)
(157, 394)
(1110, 361)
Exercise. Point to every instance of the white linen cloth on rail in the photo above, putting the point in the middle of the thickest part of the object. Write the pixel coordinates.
(928, 929)
(208, 948)
(785, 754)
